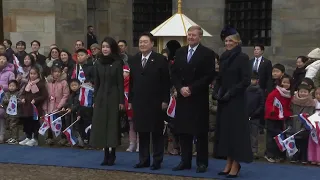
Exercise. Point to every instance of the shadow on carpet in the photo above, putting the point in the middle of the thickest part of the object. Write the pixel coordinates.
(68, 157)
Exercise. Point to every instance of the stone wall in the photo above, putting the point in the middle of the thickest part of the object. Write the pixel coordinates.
(70, 22)
(48, 21)
(295, 30)
(29, 20)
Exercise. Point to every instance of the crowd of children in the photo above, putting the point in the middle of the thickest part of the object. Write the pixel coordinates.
(290, 97)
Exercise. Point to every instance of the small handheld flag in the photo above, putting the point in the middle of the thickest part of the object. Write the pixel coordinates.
(278, 104)
(88, 128)
(12, 106)
(81, 75)
(305, 121)
(17, 65)
(35, 113)
(171, 111)
(1, 94)
(69, 136)
(279, 141)
(290, 145)
(86, 96)
(56, 126)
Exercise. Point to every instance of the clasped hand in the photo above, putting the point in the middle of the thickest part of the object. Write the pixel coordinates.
(185, 92)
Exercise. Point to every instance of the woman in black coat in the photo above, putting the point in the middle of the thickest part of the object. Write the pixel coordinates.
(232, 140)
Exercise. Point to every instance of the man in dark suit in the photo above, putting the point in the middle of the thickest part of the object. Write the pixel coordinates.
(149, 95)
(192, 72)
(263, 67)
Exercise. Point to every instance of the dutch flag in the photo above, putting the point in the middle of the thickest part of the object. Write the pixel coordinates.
(279, 141)
(69, 136)
(86, 96)
(305, 121)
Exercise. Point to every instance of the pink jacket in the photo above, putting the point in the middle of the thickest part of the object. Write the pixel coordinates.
(58, 93)
(6, 74)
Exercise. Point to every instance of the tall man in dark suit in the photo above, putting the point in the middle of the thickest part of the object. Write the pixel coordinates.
(191, 74)
(263, 67)
(149, 95)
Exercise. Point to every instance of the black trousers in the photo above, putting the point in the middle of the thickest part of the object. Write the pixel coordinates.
(157, 147)
(302, 146)
(30, 127)
(186, 143)
(86, 119)
(272, 150)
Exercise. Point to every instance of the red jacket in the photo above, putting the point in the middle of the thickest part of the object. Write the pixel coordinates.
(126, 92)
(272, 112)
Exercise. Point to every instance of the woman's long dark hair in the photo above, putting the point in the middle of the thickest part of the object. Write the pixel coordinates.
(113, 45)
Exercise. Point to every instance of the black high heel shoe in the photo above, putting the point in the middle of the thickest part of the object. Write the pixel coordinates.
(223, 173)
(236, 175)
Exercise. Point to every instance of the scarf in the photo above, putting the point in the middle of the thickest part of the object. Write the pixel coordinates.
(32, 86)
(108, 59)
(283, 92)
(305, 102)
(228, 57)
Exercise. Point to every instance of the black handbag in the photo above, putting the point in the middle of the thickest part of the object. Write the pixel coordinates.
(124, 122)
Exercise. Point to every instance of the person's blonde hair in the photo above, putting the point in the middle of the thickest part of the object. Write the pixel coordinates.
(236, 38)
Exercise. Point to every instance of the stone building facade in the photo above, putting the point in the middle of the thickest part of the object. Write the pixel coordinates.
(295, 24)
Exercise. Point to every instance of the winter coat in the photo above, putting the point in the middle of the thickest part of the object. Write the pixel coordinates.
(6, 99)
(312, 69)
(297, 77)
(69, 65)
(192, 112)
(6, 74)
(58, 93)
(255, 101)
(298, 106)
(108, 94)
(271, 111)
(232, 135)
(40, 97)
(73, 103)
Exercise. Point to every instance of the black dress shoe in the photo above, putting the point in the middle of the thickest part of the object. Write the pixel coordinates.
(201, 169)
(182, 166)
(106, 158)
(141, 165)
(112, 157)
(235, 175)
(155, 166)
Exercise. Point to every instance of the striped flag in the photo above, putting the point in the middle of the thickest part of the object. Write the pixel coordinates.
(279, 141)
(305, 121)
(35, 113)
(171, 111)
(72, 140)
(86, 96)
(1, 94)
(17, 65)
